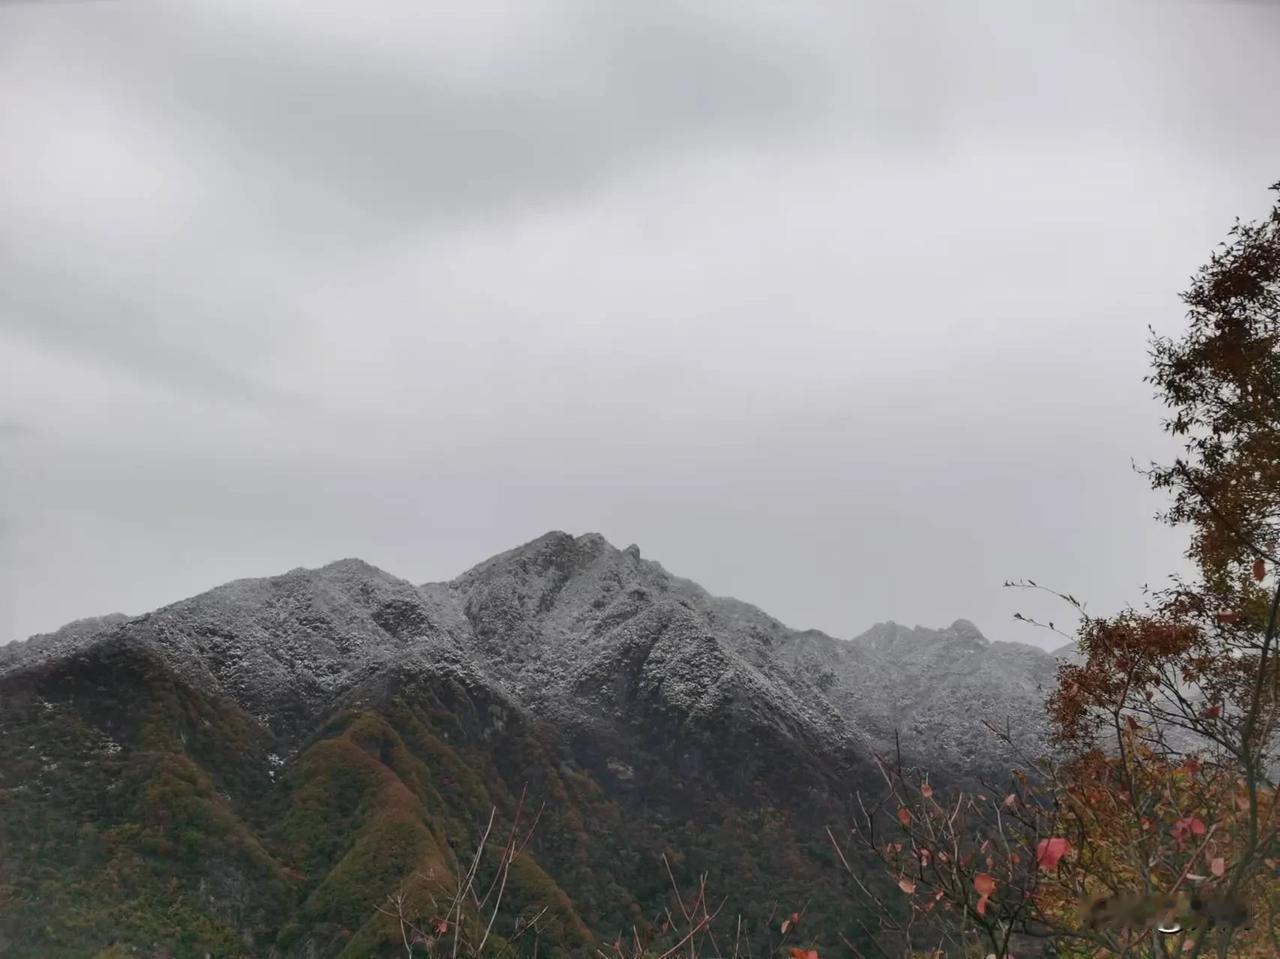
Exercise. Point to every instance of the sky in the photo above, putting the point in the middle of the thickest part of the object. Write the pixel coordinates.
(839, 308)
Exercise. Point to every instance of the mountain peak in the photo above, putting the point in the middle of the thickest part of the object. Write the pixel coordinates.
(349, 564)
(964, 629)
(892, 635)
(555, 548)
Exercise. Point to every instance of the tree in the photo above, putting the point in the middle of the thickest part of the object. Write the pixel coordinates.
(1158, 811)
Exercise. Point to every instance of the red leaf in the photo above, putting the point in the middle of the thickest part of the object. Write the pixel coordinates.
(442, 926)
(786, 924)
(1227, 617)
(904, 816)
(1213, 712)
(982, 905)
(1187, 826)
(906, 885)
(804, 953)
(1049, 851)
(984, 884)
(926, 790)
(1218, 866)
(1259, 570)
(1010, 799)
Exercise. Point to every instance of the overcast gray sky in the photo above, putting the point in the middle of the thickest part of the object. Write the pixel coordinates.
(839, 308)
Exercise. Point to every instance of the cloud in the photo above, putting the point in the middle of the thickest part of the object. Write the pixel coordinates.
(369, 127)
(185, 336)
(839, 308)
(187, 129)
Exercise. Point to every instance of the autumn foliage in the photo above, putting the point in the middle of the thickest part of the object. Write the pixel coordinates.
(1153, 829)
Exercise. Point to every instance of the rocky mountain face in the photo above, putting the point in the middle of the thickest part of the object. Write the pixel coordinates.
(251, 771)
(936, 692)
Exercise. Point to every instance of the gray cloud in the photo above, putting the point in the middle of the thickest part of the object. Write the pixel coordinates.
(129, 323)
(370, 132)
(840, 309)
(325, 149)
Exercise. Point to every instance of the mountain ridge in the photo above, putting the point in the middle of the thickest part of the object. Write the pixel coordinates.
(82, 625)
(300, 743)
(531, 619)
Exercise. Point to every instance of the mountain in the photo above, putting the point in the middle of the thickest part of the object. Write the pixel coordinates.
(70, 635)
(250, 772)
(933, 691)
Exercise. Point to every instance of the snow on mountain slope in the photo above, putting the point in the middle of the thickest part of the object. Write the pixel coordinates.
(283, 647)
(578, 631)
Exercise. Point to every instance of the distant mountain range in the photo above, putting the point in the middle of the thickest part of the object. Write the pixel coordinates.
(250, 771)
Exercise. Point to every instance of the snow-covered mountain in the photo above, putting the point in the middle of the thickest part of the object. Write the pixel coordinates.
(575, 629)
(282, 729)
